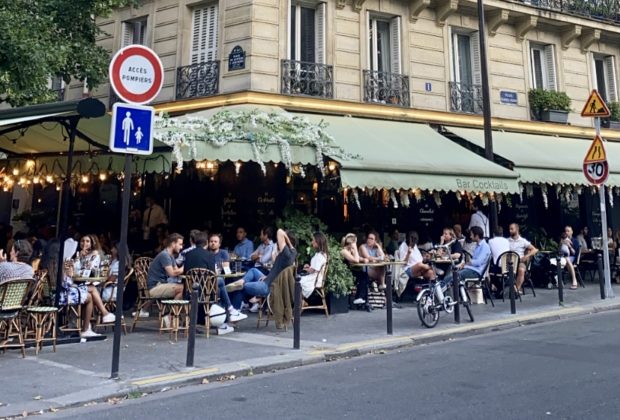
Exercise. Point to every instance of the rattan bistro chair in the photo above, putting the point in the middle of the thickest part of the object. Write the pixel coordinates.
(110, 305)
(319, 290)
(41, 319)
(13, 295)
(141, 268)
(208, 290)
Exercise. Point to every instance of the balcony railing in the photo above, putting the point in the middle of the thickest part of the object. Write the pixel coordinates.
(59, 95)
(305, 78)
(386, 88)
(465, 98)
(198, 80)
(605, 10)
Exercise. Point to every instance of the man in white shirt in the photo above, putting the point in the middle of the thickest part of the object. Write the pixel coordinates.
(498, 244)
(154, 215)
(478, 218)
(415, 266)
(524, 248)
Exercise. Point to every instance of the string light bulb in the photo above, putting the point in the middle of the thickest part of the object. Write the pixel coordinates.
(85, 179)
(49, 179)
(103, 176)
(15, 171)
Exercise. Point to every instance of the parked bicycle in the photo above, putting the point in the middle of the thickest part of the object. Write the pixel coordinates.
(436, 296)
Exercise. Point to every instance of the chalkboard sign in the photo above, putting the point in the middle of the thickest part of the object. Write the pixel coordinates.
(236, 59)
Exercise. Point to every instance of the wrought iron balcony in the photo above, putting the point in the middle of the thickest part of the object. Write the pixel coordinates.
(306, 78)
(386, 88)
(465, 98)
(198, 80)
(605, 10)
(58, 95)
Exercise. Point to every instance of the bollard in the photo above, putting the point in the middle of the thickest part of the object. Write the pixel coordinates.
(560, 280)
(456, 296)
(297, 314)
(388, 298)
(511, 285)
(193, 316)
(601, 274)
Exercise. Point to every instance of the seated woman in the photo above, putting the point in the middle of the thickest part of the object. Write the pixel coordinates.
(372, 252)
(16, 266)
(567, 250)
(415, 266)
(308, 281)
(89, 256)
(456, 250)
(109, 291)
(86, 296)
(351, 256)
(255, 283)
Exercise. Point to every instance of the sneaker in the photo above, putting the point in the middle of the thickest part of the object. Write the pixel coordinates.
(236, 316)
(234, 286)
(109, 318)
(254, 308)
(89, 334)
(143, 314)
(225, 329)
(244, 306)
(359, 301)
(382, 287)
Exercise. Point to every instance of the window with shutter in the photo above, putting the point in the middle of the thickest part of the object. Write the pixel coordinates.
(133, 32)
(307, 33)
(384, 44)
(204, 34)
(542, 63)
(550, 64)
(395, 62)
(319, 32)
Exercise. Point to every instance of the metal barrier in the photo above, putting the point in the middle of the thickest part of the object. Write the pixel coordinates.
(191, 335)
(297, 314)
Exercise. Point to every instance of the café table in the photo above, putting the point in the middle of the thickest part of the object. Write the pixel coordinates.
(94, 281)
(388, 285)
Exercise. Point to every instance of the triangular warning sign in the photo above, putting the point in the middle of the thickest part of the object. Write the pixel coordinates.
(596, 153)
(595, 106)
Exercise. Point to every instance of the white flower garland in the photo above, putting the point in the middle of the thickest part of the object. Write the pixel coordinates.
(259, 128)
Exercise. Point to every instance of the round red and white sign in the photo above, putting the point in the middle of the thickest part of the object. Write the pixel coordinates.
(136, 74)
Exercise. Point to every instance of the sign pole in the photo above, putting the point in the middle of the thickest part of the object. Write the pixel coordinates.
(609, 293)
(123, 255)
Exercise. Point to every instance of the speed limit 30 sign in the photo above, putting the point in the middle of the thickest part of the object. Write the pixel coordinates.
(595, 167)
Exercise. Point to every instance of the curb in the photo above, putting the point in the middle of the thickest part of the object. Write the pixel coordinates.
(231, 371)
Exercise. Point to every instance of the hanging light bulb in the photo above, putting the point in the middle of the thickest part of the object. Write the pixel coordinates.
(30, 164)
(103, 176)
(49, 179)
(85, 179)
(36, 180)
(15, 171)
(237, 167)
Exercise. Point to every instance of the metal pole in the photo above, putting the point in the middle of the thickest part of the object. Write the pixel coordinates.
(193, 318)
(601, 276)
(65, 204)
(601, 194)
(456, 296)
(123, 258)
(297, 314)
(560, 280)
(388, 298)
(511, 285)
(486, 105)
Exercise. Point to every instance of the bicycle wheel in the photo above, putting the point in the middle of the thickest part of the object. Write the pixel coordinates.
(429, 316)
(466, 301)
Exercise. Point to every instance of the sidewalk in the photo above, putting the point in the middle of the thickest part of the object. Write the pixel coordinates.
(79, 373)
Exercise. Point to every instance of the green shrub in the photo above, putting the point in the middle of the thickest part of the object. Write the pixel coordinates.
(546, 100)
(614, 108)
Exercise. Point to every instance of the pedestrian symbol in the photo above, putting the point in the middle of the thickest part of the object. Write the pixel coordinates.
(131, 129)
(595, 106)
(596, 153)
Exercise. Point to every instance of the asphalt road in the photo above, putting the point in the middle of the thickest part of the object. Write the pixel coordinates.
(568, 369)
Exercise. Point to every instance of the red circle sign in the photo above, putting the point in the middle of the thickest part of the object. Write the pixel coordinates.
(596, 172)
(136, 74)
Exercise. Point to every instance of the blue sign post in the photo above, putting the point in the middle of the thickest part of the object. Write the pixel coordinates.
(132, 129)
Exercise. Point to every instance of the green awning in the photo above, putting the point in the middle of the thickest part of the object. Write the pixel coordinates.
(402, 155)
(242, 151)
(544, 159)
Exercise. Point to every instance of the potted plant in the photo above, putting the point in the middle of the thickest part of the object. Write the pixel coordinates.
(549, 105)
(614, 119)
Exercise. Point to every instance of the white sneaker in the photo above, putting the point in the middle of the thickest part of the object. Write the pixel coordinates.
(143, 314)
(225, 329)
(236, 316)
(254, 308)
(109, 318)
(244, 306)
(89, 334)
(359, 301)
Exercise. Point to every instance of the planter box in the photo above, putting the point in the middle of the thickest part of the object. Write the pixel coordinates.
(560, 117)
(338, 305)
(614, 125)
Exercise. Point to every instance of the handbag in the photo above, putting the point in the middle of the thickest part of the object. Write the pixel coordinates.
(376, 297)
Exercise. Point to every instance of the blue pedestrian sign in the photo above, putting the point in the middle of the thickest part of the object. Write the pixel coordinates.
(132, 129)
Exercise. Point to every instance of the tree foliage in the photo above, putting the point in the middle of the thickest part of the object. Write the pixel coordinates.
(44, 38)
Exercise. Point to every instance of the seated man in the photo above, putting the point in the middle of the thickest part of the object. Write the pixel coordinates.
(264, 254)
(193, 234)
(200, 257)
(415, 266)
(498, 244)
(244, 247)
(480, 259)
(255, 283)
(15, 265)
(526, 251)
(162, 277)
(221, 255)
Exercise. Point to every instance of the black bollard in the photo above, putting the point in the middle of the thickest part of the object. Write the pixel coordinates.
(511, 285)
(455, 294)
(560, 280)
(388, 298)
(601, 274)
(193, 316)
(297, 314)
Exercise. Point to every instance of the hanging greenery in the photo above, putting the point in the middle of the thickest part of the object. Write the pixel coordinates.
(259, 128)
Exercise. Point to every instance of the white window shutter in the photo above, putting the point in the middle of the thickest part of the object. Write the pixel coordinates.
(319, 34)
(212, 33)
(127, 34)
(204, 34)
(550, 65)
(395, 56)
(372, 46)
(291, 36)
(612, 88)
(476, 70)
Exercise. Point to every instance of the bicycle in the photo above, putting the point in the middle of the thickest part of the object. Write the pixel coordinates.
(433, 299)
